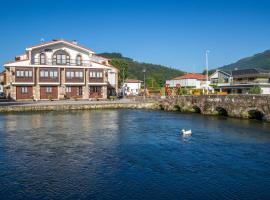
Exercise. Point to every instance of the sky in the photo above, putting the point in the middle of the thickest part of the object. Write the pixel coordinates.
(168, 32)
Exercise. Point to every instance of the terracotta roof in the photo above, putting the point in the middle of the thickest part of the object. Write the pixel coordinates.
(133, 81)
(190, 76)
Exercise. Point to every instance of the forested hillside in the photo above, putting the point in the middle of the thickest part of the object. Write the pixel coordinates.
(156, 75)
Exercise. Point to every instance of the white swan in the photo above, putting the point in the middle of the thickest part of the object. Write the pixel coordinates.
(186, 132)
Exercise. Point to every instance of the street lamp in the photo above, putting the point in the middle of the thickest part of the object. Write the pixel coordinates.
(144, 83)
(206, 63)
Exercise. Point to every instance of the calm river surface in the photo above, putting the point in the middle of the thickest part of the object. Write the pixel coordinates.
(132, 154)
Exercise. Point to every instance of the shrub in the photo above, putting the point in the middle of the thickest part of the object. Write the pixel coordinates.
(255, 90)
(50, 97)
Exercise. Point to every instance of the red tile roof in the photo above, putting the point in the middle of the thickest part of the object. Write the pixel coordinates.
(133, 81)
(190, 76)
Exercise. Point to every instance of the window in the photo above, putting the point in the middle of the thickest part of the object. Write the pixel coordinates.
(68, 89)
(30, 73)
(81, 74)
(61, 57)
(42, 73)
(71, 74)
(95, 89)
(93, 74)
(48, 89)
(76, 74)
(42, 59)
(53, 74)
(46, 73)
(99, 74)
(79, 91)
(68, 74)
(26, 73)
(20, 73)
(78, 60)
(24, 90)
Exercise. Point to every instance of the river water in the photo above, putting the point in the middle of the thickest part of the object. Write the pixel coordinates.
(132, 154)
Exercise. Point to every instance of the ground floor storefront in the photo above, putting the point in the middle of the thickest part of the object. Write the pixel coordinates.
(24, 92)
(57, 92)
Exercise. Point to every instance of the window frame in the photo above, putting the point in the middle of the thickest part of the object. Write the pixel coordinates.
(79, 60)
(24, 90)
(48, 89)
(42, 59)
(61, 57)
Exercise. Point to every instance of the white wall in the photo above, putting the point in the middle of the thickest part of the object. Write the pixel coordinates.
(184, 83)
(265, 90)
(73, 52)
(112, 74)
(132, 88)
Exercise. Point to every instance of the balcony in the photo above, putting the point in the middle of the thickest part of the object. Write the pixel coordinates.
(24, 75)
(48, 75)
(67, 62)
(74, 76)
(96, 76)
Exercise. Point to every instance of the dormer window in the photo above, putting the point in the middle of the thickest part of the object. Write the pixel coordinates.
(61, 57)
(42, 59)
(79, 60)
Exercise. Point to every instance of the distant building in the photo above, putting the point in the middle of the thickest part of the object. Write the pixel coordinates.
(241, 81)
(132, 87)
(2, 81)
(59, 69)
(190, 80)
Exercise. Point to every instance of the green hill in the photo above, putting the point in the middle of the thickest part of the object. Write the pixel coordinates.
(156, 75)
(260, 60)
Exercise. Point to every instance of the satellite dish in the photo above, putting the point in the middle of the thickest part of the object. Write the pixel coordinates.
(42, 40)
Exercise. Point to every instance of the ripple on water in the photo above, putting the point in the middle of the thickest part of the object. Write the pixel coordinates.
(132, 154)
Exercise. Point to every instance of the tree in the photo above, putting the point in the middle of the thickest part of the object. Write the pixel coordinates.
(122, 66)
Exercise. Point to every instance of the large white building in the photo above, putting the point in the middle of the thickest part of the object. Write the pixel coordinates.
(132, 87)
(190, 80)
(59, 69)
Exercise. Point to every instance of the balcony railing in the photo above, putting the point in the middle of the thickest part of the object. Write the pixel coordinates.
(69, 62)
(251, 82)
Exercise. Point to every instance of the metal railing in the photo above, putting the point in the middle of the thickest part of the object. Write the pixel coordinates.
(69, 62)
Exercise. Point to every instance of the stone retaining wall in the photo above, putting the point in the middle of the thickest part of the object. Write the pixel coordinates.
(32, 107)
(240, 106)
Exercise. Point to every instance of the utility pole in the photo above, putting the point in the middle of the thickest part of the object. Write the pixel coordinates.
(207, 75)
(123, 81)
(144, 84)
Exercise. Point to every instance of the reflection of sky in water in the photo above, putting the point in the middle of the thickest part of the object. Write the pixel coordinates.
(132, 154)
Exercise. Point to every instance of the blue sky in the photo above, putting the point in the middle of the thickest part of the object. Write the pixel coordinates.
(172, 33)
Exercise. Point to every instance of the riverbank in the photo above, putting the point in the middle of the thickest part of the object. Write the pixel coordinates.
(235, 106)
(27, 106)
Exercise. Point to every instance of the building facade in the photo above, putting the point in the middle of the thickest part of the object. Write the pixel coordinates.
(189, 80)
(2, 81)
(241, 81)
(132, 87)
(58, 70)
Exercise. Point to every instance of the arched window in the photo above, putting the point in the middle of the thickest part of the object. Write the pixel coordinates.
(42, 59)
(78, 60)
(61, 57)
